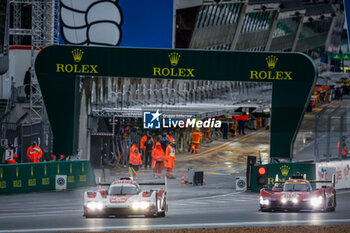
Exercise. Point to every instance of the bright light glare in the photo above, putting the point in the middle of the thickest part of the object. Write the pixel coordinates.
(95, 205)
(295, 201)
(284, 201)
(316, 201)
(264, 201)
(140, 205)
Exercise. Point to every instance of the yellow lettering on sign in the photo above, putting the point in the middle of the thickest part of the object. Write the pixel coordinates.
(76, 69)
(1, 173)
(17, 183)
(71, 179)
(190, 73)
(70, 168)
(165, 72)
(93, 69)
(182, 72)
(270, 181)
(173, 72)
(279, 75)
(17, 172)
(82, 167)
(288, 76)
(59, 68)
(85, 69)
(45, 181)
(2, 184)
(270, 75)
(82, 178)
(58, 169)
(262, 74)
(31, 171)
(45, 170)
(32, 182)
(156, 71)
(68, 68)
(253, 74)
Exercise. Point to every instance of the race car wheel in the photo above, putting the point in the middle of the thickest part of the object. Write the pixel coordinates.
(332, 208)
(265, 210)
(325, 203)
(161, 214)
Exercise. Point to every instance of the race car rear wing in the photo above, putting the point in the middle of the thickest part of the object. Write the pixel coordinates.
(277, 181)
(165, 183)
(325, 181)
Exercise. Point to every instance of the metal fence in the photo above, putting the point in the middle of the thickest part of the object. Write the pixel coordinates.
(25, 134)
(331, 134)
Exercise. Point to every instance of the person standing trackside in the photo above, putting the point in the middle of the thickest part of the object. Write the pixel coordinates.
(158, 157)
(196, 137)
(27, 82)
(164, 142)
(170, 137)
(170, 159)
(10, 155)
(149, 145)
(135, 162)
(34, 153)
(132, 148)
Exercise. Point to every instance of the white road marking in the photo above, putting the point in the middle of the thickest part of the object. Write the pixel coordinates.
(177, 226)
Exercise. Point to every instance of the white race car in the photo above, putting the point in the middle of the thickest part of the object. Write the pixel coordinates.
(125, 197)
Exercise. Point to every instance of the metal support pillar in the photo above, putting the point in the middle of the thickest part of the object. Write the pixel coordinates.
(272, 29)
(297, 33)
(317, 118)
(17, 22)
(239, 27)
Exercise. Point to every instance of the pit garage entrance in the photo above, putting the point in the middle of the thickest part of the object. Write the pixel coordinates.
(60, 68)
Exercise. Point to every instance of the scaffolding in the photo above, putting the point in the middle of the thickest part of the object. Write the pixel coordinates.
(44, 32)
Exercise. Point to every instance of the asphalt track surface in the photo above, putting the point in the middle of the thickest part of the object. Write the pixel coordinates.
(210, 206)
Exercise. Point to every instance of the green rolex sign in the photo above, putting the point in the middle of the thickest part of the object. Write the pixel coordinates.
(59, 69)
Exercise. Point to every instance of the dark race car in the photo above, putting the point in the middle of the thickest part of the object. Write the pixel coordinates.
(297, 194)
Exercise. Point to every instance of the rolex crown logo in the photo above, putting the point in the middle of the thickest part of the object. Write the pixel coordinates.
(271, 61)
(285, 170)
(77, 54)
(174, 58)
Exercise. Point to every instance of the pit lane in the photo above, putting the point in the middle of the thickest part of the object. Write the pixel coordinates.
(210, 206)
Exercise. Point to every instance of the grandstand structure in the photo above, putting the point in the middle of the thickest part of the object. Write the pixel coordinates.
(313, 27)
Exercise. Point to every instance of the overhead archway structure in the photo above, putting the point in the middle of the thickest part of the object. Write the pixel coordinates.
(59, 69)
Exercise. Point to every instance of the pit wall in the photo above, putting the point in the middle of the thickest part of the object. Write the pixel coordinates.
(32, 177)
(284, 171)
(341, 169)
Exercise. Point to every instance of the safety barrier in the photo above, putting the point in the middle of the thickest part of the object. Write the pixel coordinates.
(284, 172)
(341, 169)
(31, 177)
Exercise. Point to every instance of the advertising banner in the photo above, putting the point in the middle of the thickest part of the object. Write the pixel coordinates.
(341, 170)
(125, 23)
(33, 177)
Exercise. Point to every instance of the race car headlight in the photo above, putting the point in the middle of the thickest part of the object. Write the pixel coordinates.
(295, 201)
(316, 201)
(284, 201)
(94, 205)
(140, 205)
(266, 200)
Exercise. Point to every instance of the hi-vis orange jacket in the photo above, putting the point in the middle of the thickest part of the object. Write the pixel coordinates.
(170, 157)
(34, 153)
(196, 136)
(158, 153)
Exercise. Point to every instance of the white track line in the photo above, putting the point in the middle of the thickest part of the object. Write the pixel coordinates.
(181, 226)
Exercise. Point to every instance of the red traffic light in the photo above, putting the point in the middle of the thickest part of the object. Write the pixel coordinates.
(262, 170)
